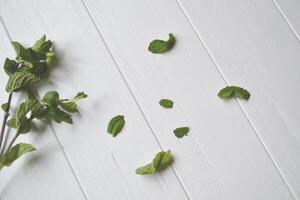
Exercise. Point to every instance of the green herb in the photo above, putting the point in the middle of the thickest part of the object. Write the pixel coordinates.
(180, 132)
(166, 103)
(4, 107)
(115, 125)
(161, 46)
(14, 153)
(20, 80)
(31, 66)
(161, 161)
(234, 92)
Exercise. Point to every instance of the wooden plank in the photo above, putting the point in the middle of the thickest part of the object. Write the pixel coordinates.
(289, 9)
(44, 174)
(104, 165)
(253, 46)
(221, 136)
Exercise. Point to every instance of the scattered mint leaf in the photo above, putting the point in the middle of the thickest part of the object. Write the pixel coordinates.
(145, 170)
(4, 107)
(180, 132)
(20, 80)
(14, 153)
(166, 103)
(10, 66)
(234, 92)
(161, 46)
(161, 161)
(115, 125)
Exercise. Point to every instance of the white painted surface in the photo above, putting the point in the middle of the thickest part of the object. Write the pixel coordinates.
(235, 150)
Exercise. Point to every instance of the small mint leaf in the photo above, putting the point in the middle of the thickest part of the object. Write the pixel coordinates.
(166, 103)
(161, 161)
(161, 46)
(116, 125)
(234, 92)
(180, 132)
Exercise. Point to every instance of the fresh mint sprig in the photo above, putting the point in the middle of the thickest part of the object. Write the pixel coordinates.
(30, 67)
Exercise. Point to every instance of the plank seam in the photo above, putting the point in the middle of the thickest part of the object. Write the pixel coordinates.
(51, 127)
(239, 103)
(132, 94)
(291, 27)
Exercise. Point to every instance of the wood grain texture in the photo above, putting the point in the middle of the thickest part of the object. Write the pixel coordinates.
(105, 166)
(289, 9)
(253, 46)
(43, 174)
(221, 134)
(235, 150)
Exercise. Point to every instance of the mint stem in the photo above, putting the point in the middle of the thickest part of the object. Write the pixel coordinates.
(6, 114)
(12, 141)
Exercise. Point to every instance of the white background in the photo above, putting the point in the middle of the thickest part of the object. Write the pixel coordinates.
(236, 150)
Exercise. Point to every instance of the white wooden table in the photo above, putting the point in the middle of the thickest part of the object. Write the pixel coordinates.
(236, 150)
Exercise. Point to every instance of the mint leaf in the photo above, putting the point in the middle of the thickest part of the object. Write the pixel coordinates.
(69, 106)
(10, 66)
(20, 80)
(161, 161)
(51, 98)
(59, 116)
(14, 153)
(234, 92)
(50, 58)
(115, 125)
(42, 45)
(180, 132)
(17, 47)
(79, 95)
(145, 170)
(11, 123)
(166, 103)
(161, 46)
(4, 107)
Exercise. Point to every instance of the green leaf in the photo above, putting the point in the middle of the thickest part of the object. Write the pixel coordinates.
(10, 66)
(115, 125)
(51, 98)
(11, 123)
(20, 80)
(59, 116)
(161, 161)
(145, 170)
(69, 106)
(17, 47)
(166, 103)
(42, 45)
(80, 95)
(234, 92)
(161, 46)
(4, 107)
(180, 132)
(50, 58)
(14, 153)
(21, 121)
